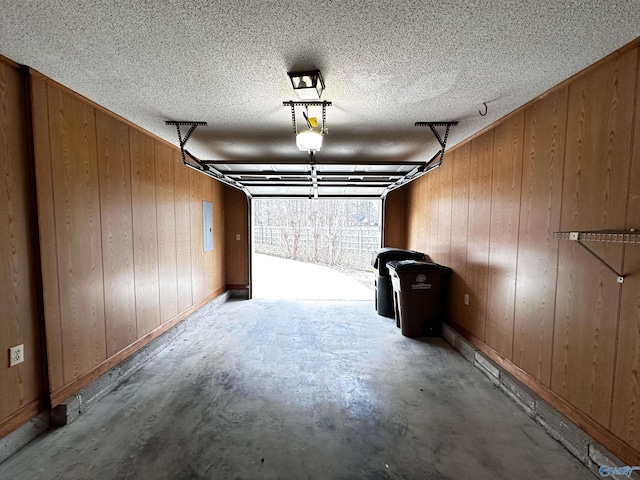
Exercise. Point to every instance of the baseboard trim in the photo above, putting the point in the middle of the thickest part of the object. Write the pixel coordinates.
(86, 378)
(91, 387)
(20, 417)
(30, 428)
(526, 394)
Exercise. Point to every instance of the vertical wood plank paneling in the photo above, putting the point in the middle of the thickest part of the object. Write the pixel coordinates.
(625, 418)
(114, 220)
(594, 197)
(445, 173)
(183, 232)
(420, 219)
(395, 227)
(167, 267)
(480, 172)
(114, 166)
(47, 228)
(210, 257)
(543, 163)
(218, 253)
(79, 242)
(145, 232)
(235, 222)
(196, 181)
(410, 214)
(423, 217)
(459, 219)
(431, 194)
(21, 384)
(416, 214)
(503, 241)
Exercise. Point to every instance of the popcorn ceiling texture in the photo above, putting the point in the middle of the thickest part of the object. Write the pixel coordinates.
(386, 64)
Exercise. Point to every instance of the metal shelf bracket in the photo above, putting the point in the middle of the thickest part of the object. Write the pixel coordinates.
(609, 236)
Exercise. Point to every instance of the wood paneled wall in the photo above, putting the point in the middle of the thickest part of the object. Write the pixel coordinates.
(394, 219)
(114, 168)
(121, 236)
(503, 232)
(544, 308)
(540, 201)
(166, 215)
(625, 414)
(594, 196)
(183, 232)
(22, 385)
(237, 250)
(458, 242)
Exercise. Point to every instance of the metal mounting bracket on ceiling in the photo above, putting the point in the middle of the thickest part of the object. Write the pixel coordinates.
(432, 163)
(324, 104)
(608, 236)
(432, 126)
(200, 165)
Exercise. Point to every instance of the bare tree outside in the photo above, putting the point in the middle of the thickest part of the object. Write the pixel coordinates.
(339, 233)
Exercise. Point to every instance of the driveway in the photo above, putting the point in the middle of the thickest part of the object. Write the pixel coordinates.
(280, 278)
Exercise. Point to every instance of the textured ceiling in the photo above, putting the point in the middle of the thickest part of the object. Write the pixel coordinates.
(386, 64)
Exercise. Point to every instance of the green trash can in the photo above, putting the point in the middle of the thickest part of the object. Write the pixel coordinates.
(383, 289)
(420, 292)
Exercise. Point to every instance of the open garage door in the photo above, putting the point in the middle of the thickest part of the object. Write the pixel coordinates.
(314, 248)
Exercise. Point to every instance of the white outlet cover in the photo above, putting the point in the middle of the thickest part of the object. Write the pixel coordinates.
(237, 236)
(466, 299)
(16, 355)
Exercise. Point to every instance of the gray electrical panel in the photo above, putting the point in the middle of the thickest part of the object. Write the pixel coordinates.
(207, 226)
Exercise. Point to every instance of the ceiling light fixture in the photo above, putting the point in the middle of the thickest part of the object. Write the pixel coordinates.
(308, 85)
(309, 141)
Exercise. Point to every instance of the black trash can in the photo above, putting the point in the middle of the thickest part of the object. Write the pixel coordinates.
(384, 292)
(420, 292)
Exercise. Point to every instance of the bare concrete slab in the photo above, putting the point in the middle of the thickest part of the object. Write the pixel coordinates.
(309, 390)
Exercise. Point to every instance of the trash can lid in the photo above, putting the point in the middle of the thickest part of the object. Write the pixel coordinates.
(414, 265)
(386, 254)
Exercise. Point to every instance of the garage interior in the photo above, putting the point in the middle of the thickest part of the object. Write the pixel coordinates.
(507, 149)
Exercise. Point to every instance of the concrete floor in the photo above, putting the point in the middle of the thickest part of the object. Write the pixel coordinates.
(300, 390)
(281, 278)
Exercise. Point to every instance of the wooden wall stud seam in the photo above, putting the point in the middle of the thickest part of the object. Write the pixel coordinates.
(517, 246)
(55, 228)
(555, 296)
(626, 227)
(104, 292)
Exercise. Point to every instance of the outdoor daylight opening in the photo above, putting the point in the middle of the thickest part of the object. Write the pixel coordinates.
(314, 249)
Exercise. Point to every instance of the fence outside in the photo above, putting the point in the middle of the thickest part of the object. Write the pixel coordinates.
(348, 247)
(352, 239)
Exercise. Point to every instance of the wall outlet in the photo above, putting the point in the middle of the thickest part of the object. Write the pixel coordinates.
(237, 236)
(466, 299)
(16, 355)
